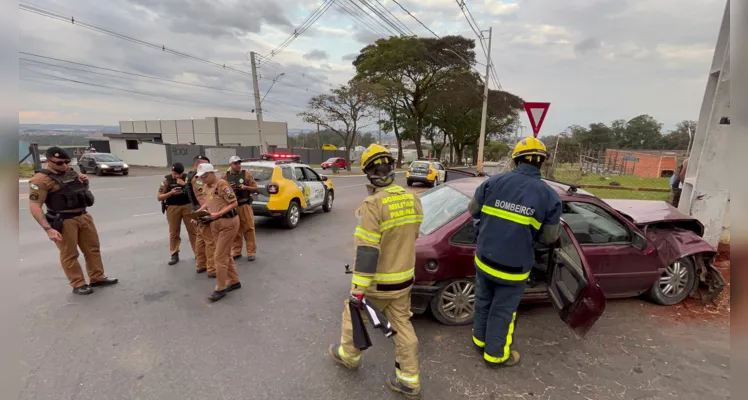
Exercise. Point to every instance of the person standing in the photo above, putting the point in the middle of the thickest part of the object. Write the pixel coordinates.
(388, 224)
(66, 195)
(676, 183)
(244, 185)
(220, 202)
(172, 195)
(514, 210)
(204, 243)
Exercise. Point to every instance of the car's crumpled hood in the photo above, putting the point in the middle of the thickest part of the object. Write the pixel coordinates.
(675, 243)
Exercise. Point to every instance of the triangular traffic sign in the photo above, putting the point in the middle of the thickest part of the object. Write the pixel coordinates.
(536, 112)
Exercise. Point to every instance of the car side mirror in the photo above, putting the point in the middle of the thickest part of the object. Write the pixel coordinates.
(639, 241)
(323, 177)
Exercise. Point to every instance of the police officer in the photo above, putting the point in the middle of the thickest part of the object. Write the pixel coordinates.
(66, 195)
(514, 210)
(244, 185)
(204, 243)
(220, 202)
(388, 224)
(177, 205)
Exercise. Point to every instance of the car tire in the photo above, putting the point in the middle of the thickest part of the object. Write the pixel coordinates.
(460, 293)
(435, 182)
(675, 283)
(83, 170)
(409, 182)
(126, 173)
(329, 198)
(293, 215)
(99, 172)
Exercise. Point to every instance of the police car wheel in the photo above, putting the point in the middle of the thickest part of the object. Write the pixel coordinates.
(675, 283)
(409, 182)
(454, 303)
(327, 205)
(293, 214)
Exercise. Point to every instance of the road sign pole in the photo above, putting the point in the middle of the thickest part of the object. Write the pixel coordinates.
(482, 140)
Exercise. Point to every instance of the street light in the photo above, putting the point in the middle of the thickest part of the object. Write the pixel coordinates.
(271, 86)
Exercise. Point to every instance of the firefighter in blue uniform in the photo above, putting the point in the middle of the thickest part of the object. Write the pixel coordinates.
(514, 210)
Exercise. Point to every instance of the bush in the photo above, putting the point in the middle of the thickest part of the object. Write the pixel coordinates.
(335, 168)
(614, 183)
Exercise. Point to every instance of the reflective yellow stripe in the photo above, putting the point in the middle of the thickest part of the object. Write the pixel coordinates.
(478, 342)
(395, 189)
(342, 354)
(366, 235)
(500, 274)
(510, 216)
(412, 379)
(400, 221)
(396, 277)
(360, 280)
(507, 345)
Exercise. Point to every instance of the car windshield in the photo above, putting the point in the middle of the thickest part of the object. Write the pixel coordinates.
(260, 173)
(419, 166)
(105, 158)
(441, 205)
(332, 160)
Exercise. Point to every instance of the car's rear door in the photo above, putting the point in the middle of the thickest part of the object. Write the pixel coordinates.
(316, 187)
(571, 286)
(262, 174)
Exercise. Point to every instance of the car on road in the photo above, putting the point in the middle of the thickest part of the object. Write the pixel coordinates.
(280, 157)
(102, 164)
(288, 189)
(608, 249)
(339, 161)
(425, 171)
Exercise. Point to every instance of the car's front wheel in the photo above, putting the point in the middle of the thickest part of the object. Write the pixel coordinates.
(293, 214)
(99, 172)
(454, 303)
(83, 170)
(327, 205)
(675, 283)
(409, 182)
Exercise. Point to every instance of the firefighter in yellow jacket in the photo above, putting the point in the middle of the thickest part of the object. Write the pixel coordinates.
(388, 225)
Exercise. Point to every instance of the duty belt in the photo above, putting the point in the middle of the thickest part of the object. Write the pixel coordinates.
(230, 214)
(393, 287)
(65, 215)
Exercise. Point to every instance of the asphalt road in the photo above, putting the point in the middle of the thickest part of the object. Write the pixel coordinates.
(155, 336)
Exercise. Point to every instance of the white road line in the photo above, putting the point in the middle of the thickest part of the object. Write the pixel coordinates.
(347, 186)
(143, 215)
(135, 198)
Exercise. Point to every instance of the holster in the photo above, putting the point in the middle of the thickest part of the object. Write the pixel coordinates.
(56, 221)
(163, 207)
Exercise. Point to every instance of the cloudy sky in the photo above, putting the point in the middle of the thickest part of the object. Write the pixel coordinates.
(594, 60)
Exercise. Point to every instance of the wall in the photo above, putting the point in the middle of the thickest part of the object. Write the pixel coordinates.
(147, 154)
(647, 166)
(169, 132)
(205, 131)
(182, 153)
(219, 155)
(231, 131)
(244, 132)
(126, 127)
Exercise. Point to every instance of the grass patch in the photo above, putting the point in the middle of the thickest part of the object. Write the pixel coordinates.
(25, 170)
(573, 176)
(628, 194)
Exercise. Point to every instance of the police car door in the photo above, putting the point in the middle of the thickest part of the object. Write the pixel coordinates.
(440, 171)
(317, 188)
(571, 285)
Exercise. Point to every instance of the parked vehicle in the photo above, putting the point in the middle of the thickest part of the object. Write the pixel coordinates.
(620, 248)
(425, 171)
(339, 161)
(102, 163)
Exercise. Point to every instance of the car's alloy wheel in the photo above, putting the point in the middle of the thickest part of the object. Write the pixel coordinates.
(327, 205)
(454, 304)
(292, 215)
(675, 283)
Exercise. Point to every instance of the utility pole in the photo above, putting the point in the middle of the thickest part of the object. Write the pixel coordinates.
(380, 126)
(319, 136)
(482, 140)
(258, 103)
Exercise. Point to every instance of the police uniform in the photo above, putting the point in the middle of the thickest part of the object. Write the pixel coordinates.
(512, 209)
(384, 270)
(244, 209)
(224, 231)
(204, 243)
(177, 208)
(66, 199)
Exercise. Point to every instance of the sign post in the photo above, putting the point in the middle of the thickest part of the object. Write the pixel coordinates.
(536, 112)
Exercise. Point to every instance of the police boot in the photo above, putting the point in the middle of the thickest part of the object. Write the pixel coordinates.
(512, 361)
(83, 290)
(348, 362)
(399, 387)
(174, 259)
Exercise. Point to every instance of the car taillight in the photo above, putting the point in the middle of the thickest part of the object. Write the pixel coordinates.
(273, 188)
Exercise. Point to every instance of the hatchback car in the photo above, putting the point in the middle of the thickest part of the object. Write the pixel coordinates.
(425, 171)
(618, 248)
(288, 189)
(339, 161)
(102, 163)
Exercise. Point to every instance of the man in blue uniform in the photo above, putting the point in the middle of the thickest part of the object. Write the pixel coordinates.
(514, 210)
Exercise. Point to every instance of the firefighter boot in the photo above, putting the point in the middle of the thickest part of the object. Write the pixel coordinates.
(512, 361)
(337, 354)
(396, 386)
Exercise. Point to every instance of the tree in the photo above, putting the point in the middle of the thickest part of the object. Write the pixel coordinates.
(495, 151)
(679, 138)
(413, 68)
(342, 112)
(642, 132)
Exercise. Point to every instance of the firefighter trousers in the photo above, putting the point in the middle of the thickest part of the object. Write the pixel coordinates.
(397, 311)
(495, 316)
(246, 231)
(205, 248)
(80, 232)
(176, 215)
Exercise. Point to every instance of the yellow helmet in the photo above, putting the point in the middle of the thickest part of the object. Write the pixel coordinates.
(375, 154)
(530, 149)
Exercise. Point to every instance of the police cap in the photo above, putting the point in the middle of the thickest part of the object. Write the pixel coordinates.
(57, 152)
(200, 157)
(178, 168)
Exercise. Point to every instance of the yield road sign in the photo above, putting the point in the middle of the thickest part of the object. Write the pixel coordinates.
(536, 112)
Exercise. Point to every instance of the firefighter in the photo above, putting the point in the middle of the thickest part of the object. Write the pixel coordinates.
(66, 222)
(204, 243)
(514, 210)
(176, 204)
(388, 224)
(244, 185)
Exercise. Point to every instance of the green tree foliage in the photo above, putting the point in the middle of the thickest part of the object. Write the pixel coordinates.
(494, 151)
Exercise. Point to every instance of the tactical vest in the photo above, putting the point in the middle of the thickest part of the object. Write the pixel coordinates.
(178, 199)
(191, 176)
(242, 196)
(73, 193)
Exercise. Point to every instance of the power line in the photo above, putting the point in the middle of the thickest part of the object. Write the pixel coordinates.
(384, 18)
(479, 33)
(311, 19)
(357, 19)
(385, 27)
(395, 17)
(415, 18)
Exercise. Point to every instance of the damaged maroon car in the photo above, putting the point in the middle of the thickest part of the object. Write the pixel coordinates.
(608, 249)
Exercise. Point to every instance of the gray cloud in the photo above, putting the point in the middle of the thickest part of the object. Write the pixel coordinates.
(349, 57)
(316, 55)
(587, 45)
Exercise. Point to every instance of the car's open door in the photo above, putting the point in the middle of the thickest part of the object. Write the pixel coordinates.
(572, 287)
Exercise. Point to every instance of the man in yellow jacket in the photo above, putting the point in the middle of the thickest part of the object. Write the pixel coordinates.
(388, 224)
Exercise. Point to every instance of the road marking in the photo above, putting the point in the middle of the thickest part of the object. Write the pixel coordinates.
(143, 215)
(135, 198)
(347, 186)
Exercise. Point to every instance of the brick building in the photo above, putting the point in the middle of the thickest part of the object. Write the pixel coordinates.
(644, 163)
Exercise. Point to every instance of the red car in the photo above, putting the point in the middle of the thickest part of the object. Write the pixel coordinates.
(339, 161)
(608, 249)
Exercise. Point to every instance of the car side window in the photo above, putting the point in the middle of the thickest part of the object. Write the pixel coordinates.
(467, 235)
(298, 174)
(591, 224)
(287, 173)
(311, 176)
